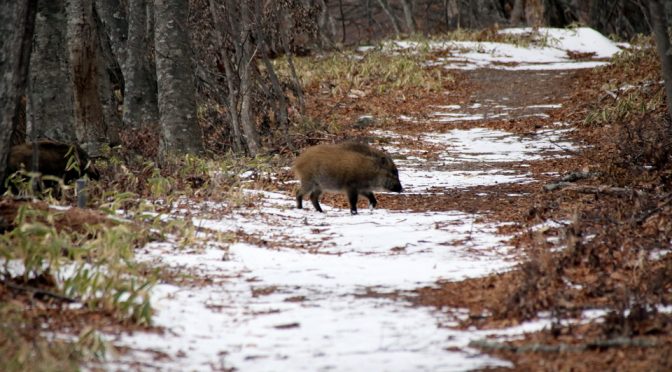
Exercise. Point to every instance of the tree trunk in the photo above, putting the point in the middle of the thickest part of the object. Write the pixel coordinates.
(452, 14)
(326, 27)
(180, 133)
(82, 47)
(17, 22)
(659, 23)
(140, 100)
(558, 13)
(112, 28)
(296, 81)
(248, 124)
(408, 16)
(534, 13)
(50, 106)
(111, 81)
(518, 12)
(231, 82)
(386, 8)
(115, 24)
(281, 116)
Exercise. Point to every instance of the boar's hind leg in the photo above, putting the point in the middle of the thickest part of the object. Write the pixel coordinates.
(352, 198)
(315, 199)
(372, 199)
(299, 198)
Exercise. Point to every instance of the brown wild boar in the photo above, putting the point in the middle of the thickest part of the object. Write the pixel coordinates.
(353, 168)
(53, 159)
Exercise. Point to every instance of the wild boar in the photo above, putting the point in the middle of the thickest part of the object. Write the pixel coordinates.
(353, 168)
(53, 159)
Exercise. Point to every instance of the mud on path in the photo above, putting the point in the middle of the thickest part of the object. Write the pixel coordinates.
(283, 289)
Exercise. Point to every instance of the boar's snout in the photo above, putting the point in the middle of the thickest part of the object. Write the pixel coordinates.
(393, 184)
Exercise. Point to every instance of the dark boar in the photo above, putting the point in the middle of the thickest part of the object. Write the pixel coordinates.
(352, 168)
(53, 159)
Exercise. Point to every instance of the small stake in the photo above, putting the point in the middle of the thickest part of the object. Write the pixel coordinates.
(81, 192)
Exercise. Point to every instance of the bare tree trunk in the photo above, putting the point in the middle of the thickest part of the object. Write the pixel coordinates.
(82, 47)
(180, 132)
(140, 96)
(386, 8)
(247, 58)
(452, 14)
(326, 25)
(296, 82)
(110, 79)
(518, 12)
(113, 30)
(50, 106)
(275, 82)
(17, 22)
(659, 22)
(231, 82)
(343, 32)
(115, 24)
(534, 13)
(408, 15)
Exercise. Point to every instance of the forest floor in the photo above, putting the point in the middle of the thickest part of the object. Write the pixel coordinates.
(458, 272)
(422, 283)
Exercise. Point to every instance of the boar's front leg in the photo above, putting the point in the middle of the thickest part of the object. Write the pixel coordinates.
(299, 199)
(372, 199)
(315, 199)
(300, 192)
(352, 198)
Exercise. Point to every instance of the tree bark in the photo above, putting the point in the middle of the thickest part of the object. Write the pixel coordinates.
(50, 106)
(115, 24)
(408, 15)
(231, 82)
(386, 8)
(17, 21)
(112, 26)
(326, 27)
(140, 96)
(180, 133)
(452, 14)
(659, 23)
(247, 58)
(518, 12)
(275, 82)
(111, 82)
(296, 81)
(534, 13)
(82, 47)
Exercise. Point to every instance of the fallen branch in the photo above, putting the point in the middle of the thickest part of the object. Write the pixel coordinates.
(666, 201)
(576, 176)
(603, 189)
(566, 180)
(37, 291)
(556, 186)
(562, 347)
(587, 189)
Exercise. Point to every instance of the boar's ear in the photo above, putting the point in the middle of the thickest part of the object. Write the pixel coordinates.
(383, 161)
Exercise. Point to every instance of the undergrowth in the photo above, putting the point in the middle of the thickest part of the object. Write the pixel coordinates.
(372, 72)
(613, 255)
(57, 260)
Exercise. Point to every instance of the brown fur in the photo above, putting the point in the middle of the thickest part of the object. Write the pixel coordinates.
(352, 168)
(53, 160)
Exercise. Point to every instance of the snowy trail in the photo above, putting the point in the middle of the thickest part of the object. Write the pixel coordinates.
(321, 297)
